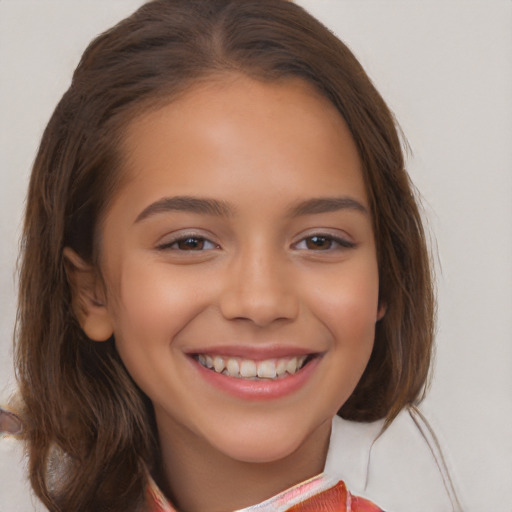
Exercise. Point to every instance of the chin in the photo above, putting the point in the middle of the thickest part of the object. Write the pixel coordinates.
(261, 443)
(260, 452)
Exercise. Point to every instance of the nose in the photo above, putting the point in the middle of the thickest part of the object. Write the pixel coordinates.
(260, 289)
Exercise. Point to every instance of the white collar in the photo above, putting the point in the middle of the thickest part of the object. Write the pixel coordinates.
(348, 457)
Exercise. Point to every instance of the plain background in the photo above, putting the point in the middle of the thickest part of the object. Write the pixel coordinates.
(445, 69)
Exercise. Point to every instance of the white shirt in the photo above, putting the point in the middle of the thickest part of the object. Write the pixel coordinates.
(403, 470)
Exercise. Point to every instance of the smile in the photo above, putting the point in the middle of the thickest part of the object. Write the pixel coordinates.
(242, 368)
(256, 374)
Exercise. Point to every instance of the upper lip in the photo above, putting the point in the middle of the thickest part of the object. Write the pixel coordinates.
(253, 352)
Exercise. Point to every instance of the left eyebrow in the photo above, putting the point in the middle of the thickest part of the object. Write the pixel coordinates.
(326, 205)
(186, 204)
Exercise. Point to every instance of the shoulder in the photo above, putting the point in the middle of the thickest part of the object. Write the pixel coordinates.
(16, 494)
(401, 469)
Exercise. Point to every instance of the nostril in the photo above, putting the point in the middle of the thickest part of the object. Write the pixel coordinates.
(259, 288)
(259, 306)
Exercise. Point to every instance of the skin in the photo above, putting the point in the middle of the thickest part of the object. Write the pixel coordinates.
(256, 279)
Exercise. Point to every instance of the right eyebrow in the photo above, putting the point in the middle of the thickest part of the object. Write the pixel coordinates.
(186, 204)
(326, 205)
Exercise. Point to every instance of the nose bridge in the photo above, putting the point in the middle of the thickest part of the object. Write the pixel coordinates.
(259, 288)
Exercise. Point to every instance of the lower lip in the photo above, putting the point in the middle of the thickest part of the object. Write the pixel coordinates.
(263, 389)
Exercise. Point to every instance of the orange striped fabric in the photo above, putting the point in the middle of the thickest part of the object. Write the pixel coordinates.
(319, 494)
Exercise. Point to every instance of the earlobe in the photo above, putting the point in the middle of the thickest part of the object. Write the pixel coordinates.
(381, 311)
(88, 297)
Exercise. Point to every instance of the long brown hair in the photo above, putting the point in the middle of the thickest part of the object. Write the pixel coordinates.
(90, 430)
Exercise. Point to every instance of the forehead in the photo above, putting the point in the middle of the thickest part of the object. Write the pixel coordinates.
(238, 132)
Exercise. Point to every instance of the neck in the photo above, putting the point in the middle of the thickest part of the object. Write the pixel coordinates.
(199, 477)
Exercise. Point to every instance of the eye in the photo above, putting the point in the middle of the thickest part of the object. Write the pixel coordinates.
(189, 243)
(323, 242)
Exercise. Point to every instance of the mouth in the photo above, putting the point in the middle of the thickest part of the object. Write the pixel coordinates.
(255, 373)
(256, 370)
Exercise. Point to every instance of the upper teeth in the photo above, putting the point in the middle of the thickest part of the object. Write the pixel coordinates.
(247, 368)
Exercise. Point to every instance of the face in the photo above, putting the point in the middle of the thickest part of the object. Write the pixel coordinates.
(240, 266)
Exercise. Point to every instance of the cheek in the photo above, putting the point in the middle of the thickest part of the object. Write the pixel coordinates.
(347, 301)
(347, 305)
(153, 304)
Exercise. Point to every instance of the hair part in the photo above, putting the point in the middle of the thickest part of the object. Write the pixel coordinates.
(79, 399)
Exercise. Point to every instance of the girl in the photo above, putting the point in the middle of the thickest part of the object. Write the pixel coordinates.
(225, 294)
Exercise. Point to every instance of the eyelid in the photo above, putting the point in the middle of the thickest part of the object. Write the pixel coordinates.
(182, 235)
(343, 242)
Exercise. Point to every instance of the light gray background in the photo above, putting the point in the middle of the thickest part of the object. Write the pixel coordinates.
(445, 68)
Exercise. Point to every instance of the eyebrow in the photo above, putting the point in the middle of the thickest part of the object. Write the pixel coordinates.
(186, 204)
(326, 205)
(223, 209)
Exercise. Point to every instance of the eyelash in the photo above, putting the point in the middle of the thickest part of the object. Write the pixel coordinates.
(197, 239)
(342, 243)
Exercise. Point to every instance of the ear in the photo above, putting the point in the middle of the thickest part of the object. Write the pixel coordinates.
(381, 311)
(88, 297)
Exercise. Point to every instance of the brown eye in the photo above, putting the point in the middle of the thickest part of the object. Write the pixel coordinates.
(191, 244)
(188, 244)
(324, 243)
(318, 243)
